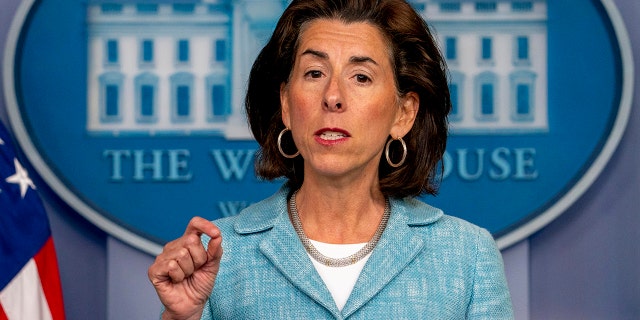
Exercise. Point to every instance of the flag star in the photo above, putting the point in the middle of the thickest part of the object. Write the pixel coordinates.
(21, 177)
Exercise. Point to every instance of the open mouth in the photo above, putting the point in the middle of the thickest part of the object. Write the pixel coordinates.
(332, 135)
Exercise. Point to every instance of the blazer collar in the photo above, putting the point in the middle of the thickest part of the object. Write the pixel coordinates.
(397, 247)
(265, 214)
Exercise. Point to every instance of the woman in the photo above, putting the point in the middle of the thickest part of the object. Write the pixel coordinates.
(348, 101)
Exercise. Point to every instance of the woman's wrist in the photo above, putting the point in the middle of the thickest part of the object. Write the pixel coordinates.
(168, 316)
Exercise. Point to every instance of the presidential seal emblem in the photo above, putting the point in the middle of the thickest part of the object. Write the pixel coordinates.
(132, 110)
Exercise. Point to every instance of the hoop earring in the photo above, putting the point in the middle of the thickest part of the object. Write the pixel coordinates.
(404, 153)
(288, 156)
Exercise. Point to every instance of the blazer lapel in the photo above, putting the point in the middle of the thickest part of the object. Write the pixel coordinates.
(397, 247)
(284, 249)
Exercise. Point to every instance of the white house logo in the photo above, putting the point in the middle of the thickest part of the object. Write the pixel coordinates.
(132, 110)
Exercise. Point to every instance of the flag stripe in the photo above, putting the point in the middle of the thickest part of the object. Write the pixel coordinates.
(23, 298)
(3, 316)
(48, 271)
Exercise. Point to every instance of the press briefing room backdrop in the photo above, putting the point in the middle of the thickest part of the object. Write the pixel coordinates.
(128, 118)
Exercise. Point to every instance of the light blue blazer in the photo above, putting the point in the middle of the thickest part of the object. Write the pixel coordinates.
(427, 265)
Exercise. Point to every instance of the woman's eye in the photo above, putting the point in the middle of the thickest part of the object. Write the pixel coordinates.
(314, 74)
(361, 78)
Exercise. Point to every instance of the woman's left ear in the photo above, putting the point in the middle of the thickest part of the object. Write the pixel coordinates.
(406, 114)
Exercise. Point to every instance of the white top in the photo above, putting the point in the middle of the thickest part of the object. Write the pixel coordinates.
(339, 280)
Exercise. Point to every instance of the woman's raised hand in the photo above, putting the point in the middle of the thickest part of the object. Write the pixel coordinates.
(184, 273)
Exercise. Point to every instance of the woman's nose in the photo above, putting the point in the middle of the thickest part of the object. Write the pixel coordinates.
(332, 100)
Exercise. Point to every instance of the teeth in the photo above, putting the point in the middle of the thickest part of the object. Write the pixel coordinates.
(330, 135)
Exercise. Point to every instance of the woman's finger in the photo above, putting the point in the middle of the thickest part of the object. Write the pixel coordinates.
(214, 248)
(174, 271)
(199, 226)
(186, 262)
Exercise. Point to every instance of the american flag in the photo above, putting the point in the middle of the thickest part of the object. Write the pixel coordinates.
(29, 279)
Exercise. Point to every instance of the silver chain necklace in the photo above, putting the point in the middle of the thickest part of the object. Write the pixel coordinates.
(333, 262)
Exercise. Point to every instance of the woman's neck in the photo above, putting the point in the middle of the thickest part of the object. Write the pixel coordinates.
(340, 213)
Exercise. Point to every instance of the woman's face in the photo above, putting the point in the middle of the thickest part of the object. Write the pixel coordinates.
(341, 101)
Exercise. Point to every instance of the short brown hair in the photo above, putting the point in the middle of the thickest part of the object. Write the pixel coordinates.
(419, 67)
